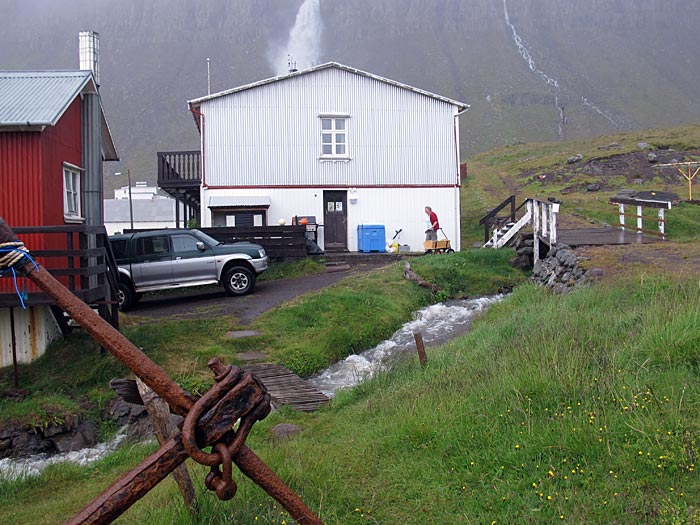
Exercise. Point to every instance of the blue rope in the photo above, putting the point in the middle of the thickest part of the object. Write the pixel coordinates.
(24, 255)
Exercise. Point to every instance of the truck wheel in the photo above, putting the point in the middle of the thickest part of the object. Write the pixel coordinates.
(125, 296)
(239, 281)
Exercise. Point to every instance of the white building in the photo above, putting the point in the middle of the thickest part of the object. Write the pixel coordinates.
(145, 206)
(332, 142)
(141, 190)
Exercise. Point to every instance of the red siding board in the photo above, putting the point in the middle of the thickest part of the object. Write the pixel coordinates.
(31, 178)
(61, 143)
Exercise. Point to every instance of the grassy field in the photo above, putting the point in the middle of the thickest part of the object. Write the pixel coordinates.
(578, 408)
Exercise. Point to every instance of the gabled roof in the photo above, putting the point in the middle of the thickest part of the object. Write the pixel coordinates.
(195, 103)
(36, 99)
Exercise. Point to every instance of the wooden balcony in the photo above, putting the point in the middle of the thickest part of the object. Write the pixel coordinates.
(179, 175)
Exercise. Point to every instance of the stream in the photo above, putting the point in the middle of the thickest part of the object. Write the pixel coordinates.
(12, 469)
(437, 323)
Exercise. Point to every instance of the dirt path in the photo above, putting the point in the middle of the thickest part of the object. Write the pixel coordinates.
(198, 303)
(662, 258)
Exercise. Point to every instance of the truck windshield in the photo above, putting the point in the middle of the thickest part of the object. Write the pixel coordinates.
(204, 237)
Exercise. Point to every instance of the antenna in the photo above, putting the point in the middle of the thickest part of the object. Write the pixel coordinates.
(208, 78)
(291, 64)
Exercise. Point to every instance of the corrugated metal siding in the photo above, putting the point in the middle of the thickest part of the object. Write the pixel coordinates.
(270, 135)
(35, 329)
(31, 171)
(21, 198)
(406, 211)
(61, 143)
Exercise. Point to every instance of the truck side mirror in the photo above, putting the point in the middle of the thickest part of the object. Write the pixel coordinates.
(200, 246)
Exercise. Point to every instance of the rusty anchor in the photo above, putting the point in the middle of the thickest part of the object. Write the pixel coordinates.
(235, 397)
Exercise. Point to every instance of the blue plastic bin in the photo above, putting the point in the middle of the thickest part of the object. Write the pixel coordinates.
(371, 238)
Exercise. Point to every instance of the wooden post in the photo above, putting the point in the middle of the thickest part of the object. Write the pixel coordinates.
(640, 227)
(164, 429)
(536, 230)
(422, 357)
(622, 216)
(15, 370)
(554, 209)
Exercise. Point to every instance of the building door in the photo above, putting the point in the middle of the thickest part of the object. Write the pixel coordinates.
(335, 220)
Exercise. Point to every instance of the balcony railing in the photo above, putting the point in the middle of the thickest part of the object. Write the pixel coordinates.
(179, 169)
(79, 256)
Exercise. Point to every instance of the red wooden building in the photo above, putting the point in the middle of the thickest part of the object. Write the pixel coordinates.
(53, 139)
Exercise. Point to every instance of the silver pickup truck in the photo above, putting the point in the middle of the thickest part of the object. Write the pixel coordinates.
(167, 259)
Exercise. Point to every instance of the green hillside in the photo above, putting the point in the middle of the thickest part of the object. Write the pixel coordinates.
(578, 408)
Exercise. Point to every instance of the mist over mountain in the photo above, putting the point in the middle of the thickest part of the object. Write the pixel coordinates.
(530, 69)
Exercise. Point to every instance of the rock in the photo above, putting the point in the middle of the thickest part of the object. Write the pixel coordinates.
(84, 436)
(642, 145)
(526, 250)
(124, 413)
(652, 157)
(593, 187)
(567, 258)
(284, 431)
(615, 145)
(29, 443)
(594, 272)
(522, 262)
(140, 429)
(574, 159)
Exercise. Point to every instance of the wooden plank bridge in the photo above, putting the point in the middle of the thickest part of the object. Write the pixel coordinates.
(602, 236)
(287, 388)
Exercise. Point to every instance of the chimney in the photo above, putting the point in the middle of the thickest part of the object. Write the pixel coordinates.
(90, 53)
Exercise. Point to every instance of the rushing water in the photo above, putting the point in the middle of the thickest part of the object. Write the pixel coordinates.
(12, 469)
(303, 47)
(437, 324)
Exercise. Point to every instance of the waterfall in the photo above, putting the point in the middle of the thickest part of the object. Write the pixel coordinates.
(525, 52)
(303, 46)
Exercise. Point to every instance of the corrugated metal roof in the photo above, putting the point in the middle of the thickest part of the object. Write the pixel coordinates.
(40, 98)
(239, 201)
(196, 102)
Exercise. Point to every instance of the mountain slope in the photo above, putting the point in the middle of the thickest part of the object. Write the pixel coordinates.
(610, 65)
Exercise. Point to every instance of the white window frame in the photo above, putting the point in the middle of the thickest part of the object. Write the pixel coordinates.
(334, 133)
(72, 210)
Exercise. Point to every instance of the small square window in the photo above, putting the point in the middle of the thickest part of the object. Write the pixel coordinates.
(334, 137)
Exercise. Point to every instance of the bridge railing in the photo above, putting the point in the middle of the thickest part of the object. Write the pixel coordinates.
(544, 222)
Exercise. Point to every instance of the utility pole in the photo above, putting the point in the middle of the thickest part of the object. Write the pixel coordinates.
(131, 202)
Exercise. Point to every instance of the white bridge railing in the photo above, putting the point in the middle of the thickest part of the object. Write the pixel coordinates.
(544, 222)
(543, 217)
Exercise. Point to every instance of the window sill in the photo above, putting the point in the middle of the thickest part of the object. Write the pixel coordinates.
(73, 219)
(334, 159)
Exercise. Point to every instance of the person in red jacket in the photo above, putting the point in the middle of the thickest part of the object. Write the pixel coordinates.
(431, 232)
